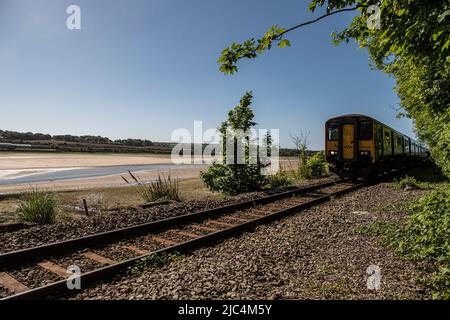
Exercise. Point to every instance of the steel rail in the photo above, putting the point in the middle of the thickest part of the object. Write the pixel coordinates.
(14, 258)
(60, 288)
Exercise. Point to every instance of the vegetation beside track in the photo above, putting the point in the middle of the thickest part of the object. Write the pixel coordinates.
(154, 261)
(39, 207)
(164, 188)
(425, 235)
(316, 166)
(234, 178)
(233, 175)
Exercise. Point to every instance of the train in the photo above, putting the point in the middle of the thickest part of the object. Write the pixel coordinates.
(360, 146)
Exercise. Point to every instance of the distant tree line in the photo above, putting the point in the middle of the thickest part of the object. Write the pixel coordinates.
(8, 136)
(12, 136)
(70, 143)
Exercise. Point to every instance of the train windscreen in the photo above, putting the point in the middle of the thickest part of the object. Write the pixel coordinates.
(365, 130)
(333, 132)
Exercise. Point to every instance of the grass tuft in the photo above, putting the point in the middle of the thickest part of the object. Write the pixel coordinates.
(154, 261)
(39, 207)
(281, 179)
(161, 189)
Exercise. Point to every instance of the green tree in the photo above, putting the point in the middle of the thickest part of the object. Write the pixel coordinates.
(424, 94)
(230, 176)
(411, 42)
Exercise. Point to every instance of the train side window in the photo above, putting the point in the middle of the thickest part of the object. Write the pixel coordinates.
(333, 133)
(365, 130)
(387, 138)
(380, 135)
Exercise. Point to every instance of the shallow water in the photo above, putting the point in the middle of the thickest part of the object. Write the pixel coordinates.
(84, 173)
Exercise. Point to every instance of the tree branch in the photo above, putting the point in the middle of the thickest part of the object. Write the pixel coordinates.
(279, 36)
(318, 19)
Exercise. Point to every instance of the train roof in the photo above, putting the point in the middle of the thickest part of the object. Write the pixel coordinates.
(362, 116)
(353, 115)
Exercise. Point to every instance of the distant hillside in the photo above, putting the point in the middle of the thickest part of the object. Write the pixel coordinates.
(47, 142)
(9, 136)
(19, 141)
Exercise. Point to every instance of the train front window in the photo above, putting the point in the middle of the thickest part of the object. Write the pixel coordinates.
(333, 133)
(365, 130)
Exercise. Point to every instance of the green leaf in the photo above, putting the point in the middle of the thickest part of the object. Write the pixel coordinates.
(283, 43)
(443, 15)
(437, 34)
(446, 45)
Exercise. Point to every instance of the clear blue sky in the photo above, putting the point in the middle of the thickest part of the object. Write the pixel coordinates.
(142, 68)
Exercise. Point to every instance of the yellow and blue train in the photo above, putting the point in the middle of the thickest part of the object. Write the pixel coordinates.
(358, 145)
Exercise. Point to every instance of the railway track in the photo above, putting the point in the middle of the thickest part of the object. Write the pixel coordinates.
(41, 272)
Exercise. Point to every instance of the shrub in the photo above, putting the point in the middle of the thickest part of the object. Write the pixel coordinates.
(426, 236)
(426, 233)
(407, 183)
(233, 179)
(316, 166)
(161, 189)
(39, 207)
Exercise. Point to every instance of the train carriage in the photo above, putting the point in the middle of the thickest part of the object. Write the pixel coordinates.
(358, 145)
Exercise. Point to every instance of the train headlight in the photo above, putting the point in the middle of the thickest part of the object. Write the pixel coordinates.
(365, 153)
(333, 153)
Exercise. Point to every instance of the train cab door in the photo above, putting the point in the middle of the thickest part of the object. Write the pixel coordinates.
(348, 141)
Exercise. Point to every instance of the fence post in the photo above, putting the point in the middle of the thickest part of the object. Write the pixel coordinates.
(85, 207)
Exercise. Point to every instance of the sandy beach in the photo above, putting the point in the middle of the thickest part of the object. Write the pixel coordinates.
(14, 164)
(20, 164)
(18, 160)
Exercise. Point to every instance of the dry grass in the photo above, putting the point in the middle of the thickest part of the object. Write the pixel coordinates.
(39, 207)
(161, 189)
(100, 199)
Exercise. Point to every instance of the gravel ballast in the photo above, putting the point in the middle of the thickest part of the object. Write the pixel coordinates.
(315, 254)
(40, 235)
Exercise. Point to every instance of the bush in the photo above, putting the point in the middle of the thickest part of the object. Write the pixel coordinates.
(316, 166)
(161, 189)
(39, 207)
(426, 236)
(407, 183)
(233, 179)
